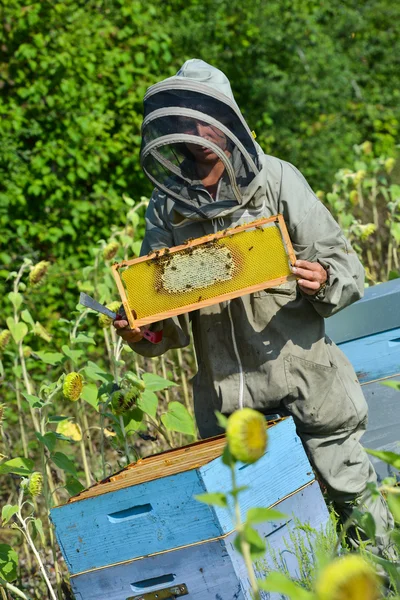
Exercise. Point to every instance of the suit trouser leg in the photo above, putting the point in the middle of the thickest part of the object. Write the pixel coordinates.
(344, 468)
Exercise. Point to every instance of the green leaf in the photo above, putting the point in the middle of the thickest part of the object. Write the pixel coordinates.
(148, 403)
(133, 420)
(17, 466)
(73, 486)
(18, 330)
(16, 299)
(256, 543)
(27, 317)
(222, 420)
(391, 458)
(38, 528)
(8, 563)
(50, 358)
(178, 419)
(260, 515)
(34, 401)
(85, 339)
(236, 491)
(154, 383)
(281, 584)
(367, 523)
(49, 440)
(57, 418)
(97, 374)
(393, 501)
(215, 499)
(393, 384)
(90, 395)
(227, 457)
(63, 462)
(74, 355)
(8, 511)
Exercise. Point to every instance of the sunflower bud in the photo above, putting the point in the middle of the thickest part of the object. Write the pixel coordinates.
(348, 577)
(35, 484)
(247, 435)
(353, 196)
(124, 400)
(110, 250)
(38, 272)
(389, 164)
(72, 387)
(366, 147)
(5, 337)
(105, 321)
(27, 351)
(359, 176)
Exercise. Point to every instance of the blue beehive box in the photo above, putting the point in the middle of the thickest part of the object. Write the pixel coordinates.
(141, 534)
(368, 332)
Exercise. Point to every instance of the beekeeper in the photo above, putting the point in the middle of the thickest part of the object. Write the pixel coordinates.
(267, 350)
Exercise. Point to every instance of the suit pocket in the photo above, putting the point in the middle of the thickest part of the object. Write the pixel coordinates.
(318, 399)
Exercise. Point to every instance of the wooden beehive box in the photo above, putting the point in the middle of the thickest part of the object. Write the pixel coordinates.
(368, 332)
(142, 535)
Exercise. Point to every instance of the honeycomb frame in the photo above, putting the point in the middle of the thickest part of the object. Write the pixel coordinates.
(168, 302)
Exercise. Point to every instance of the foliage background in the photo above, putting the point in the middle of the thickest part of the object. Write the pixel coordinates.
(313, 79)
(317, 81)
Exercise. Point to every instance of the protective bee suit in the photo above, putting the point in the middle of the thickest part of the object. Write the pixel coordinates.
(267, 350)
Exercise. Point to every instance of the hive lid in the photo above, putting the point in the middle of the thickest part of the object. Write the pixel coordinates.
(160, 465)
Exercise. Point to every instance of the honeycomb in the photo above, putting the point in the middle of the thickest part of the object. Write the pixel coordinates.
(195, 274)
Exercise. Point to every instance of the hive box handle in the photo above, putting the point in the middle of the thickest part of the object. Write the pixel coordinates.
(129, 513)
(170, 593)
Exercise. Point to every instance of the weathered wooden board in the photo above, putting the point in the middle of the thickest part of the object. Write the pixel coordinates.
(377, 311)
(142, 519)
(212, 570)
(383, 431)
(161, 515)
(282, 470)
(375, 356)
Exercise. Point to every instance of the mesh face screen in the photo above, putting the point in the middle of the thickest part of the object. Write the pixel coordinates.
(196, 274)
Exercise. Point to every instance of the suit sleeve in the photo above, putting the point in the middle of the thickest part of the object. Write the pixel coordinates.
(317, 237)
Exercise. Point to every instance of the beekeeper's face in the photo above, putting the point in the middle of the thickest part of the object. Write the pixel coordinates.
(203, 154)
(186, 126)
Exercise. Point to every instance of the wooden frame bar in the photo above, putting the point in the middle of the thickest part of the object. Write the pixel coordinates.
(134, 322)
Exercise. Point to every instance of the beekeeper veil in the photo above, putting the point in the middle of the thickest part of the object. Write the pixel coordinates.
(191, 123)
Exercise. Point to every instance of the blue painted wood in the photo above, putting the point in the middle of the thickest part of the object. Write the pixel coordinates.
(212, 570)
(206, 569)
(306, 506)
(375, 356)
(377, 311)
(383, 431)
(91, 536)
(162, 515)
(282, 470)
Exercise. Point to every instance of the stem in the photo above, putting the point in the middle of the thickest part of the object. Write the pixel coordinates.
(36, 554)
(77, 323)
(83, 452)
(13, 589)
(164, 374)
(183, 377)
(20, 414)
(126, 446)
(243, 544)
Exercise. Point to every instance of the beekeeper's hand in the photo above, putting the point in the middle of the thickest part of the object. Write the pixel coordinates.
(312, 276)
